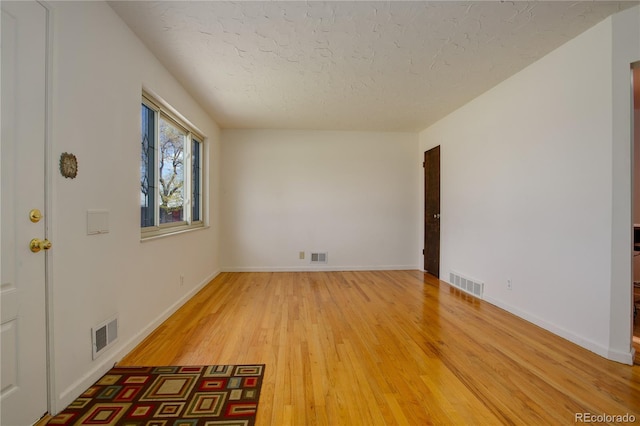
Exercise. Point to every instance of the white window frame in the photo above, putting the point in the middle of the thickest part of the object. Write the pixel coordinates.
(161, 109)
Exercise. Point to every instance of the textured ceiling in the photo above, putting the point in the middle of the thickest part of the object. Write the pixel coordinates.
(349, 65)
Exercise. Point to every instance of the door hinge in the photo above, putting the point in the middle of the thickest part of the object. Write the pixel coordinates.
(423, 252)
(424, 164)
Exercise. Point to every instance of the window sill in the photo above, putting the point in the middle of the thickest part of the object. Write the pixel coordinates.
(170, 233)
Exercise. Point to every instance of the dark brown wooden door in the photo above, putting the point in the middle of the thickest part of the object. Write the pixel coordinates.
(432, 211)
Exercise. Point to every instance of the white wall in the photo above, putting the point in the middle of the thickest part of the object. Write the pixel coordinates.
(527, 189)
(351, 194)
(99, 69)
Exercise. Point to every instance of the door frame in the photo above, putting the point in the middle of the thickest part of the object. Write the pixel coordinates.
(48, 202)
(634, 165)
(48, 167)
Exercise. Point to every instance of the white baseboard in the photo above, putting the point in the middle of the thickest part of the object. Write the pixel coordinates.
(622, 357)
(605, 352)
(107, 361)
(318, 268)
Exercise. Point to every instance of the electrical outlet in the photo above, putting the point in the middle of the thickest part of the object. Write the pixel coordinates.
(301, 255)
(509, 285)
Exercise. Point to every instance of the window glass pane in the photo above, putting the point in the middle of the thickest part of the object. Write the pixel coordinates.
(147, 168)
(195, 179)
(171, 171)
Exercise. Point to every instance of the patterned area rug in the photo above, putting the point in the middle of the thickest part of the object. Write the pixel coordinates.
(177, 396)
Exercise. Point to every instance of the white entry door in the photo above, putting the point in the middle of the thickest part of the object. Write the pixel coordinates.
(23, 335)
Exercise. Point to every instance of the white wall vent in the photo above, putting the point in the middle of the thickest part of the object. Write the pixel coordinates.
(467, 285)
(319, 257)
(103, 336)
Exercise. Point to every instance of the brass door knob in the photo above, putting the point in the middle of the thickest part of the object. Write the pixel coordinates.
(35, 215)
(36, 245)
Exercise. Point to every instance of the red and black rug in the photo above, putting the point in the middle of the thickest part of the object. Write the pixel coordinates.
(181, 396)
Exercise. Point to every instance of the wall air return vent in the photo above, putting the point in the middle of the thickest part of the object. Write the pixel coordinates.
(103, 336)
(468, 285)
(319, 257)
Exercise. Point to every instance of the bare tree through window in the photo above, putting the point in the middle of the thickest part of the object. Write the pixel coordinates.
(172, 144)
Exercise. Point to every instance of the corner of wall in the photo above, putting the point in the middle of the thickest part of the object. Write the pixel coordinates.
(625, 50)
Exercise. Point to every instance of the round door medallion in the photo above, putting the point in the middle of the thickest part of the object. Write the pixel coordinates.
(68, 165)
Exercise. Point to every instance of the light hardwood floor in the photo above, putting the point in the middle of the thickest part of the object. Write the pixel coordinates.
(387, 347)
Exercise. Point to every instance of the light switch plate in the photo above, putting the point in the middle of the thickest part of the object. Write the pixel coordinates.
(97, 222)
